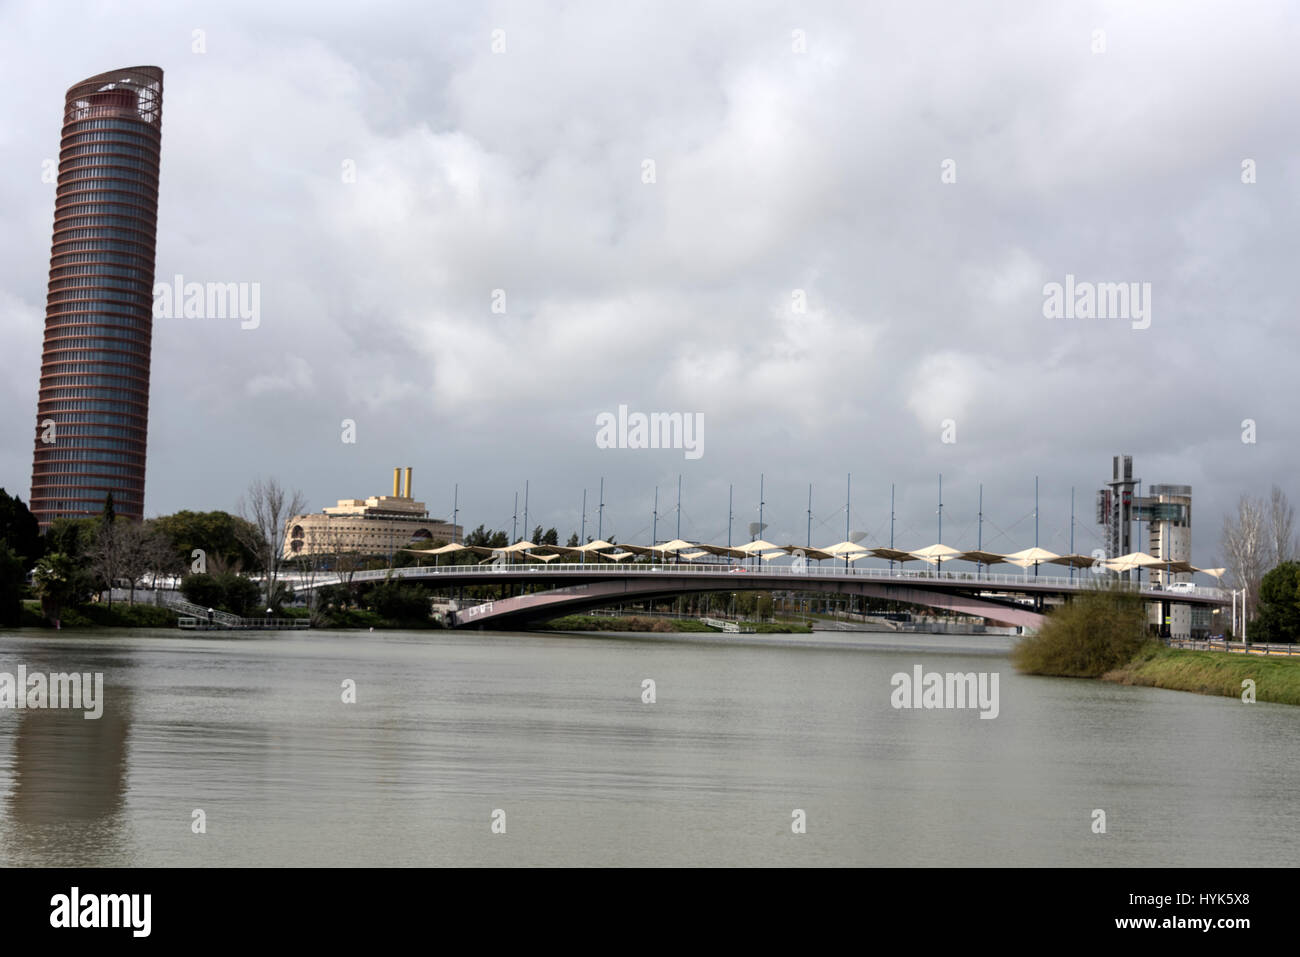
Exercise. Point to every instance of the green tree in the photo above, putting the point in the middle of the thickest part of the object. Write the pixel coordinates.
(219, 535)
(399, 602)
(13, 579)
(59, 582)
(1278, 612)
(241, 596)
(19, 529)
(73, 537)
(203, 589)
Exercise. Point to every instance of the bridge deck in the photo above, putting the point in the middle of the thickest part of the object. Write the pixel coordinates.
(721, 577)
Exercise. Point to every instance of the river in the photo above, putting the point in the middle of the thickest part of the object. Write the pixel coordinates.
(548, 736)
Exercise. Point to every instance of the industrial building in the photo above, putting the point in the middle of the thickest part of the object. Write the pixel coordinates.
(374, 526)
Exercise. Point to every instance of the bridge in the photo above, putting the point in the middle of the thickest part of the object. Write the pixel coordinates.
(569, 588)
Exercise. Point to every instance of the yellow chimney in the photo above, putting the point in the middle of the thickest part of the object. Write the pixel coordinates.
(397, 472)
(408, 482)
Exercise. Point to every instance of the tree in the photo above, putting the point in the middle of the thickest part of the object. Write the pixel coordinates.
(136, 548)
(228, 591)
(241, 595)
(400, 602)
(1282, 540)
(573, 541)
(1245, 547)
(13, 578)
(163, 559)
(73, 537)
(203, 589)
(220, 536)
(1279, 606)
(58, 582)
(106, 554)
(19, 529)
(267, 508)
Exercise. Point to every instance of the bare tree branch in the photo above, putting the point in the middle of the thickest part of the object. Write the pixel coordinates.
(267, 508)
(1246, 548)
(1281, 528)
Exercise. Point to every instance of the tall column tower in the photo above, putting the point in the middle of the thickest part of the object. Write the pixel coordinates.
(93, 407)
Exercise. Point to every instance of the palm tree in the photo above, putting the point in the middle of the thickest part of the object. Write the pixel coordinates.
(56, 582)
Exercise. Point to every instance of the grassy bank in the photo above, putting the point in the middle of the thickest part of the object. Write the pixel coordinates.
(1103, 634)
(1211, 672)
(100, 615)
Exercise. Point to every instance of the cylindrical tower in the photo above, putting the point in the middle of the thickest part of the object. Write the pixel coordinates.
(93, 408)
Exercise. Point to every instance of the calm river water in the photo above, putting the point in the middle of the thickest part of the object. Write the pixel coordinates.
(448, 728)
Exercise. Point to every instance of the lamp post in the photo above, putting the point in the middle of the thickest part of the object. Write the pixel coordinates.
(654, 527)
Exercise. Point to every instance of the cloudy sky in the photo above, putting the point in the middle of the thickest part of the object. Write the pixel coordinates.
(796, 269)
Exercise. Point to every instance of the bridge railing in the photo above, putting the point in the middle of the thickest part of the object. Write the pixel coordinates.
(490, 570)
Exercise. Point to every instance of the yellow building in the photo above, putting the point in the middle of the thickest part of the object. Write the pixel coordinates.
(378, 525)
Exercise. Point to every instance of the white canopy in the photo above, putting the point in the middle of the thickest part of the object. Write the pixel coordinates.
(840, 549)
(934, 554)
(1031, 556)
(1131, 561)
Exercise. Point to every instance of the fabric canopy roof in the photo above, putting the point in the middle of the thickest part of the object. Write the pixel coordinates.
(840, 549)
(982, 557)
(1073, 561)
(1127, 563)
(441, 550)
(817, 554)
(892, 554)
(1031, 556)
(934, 554)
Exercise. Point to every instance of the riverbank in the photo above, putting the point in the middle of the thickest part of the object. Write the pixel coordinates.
(101, 615)
(1211, 672)
(644, 624)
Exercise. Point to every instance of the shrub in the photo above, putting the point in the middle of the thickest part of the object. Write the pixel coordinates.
(399, 602)
(1097, 631)
(202, 589)
(121, 615)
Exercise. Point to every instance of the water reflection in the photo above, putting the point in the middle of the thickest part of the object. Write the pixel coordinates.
(65, 775)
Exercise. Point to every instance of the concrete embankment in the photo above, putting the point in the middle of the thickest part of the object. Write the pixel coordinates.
(1213, 672)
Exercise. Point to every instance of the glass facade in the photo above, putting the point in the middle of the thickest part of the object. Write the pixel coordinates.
(92, 410)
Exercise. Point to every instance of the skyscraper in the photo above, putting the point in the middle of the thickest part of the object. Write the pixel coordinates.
(93, 408)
